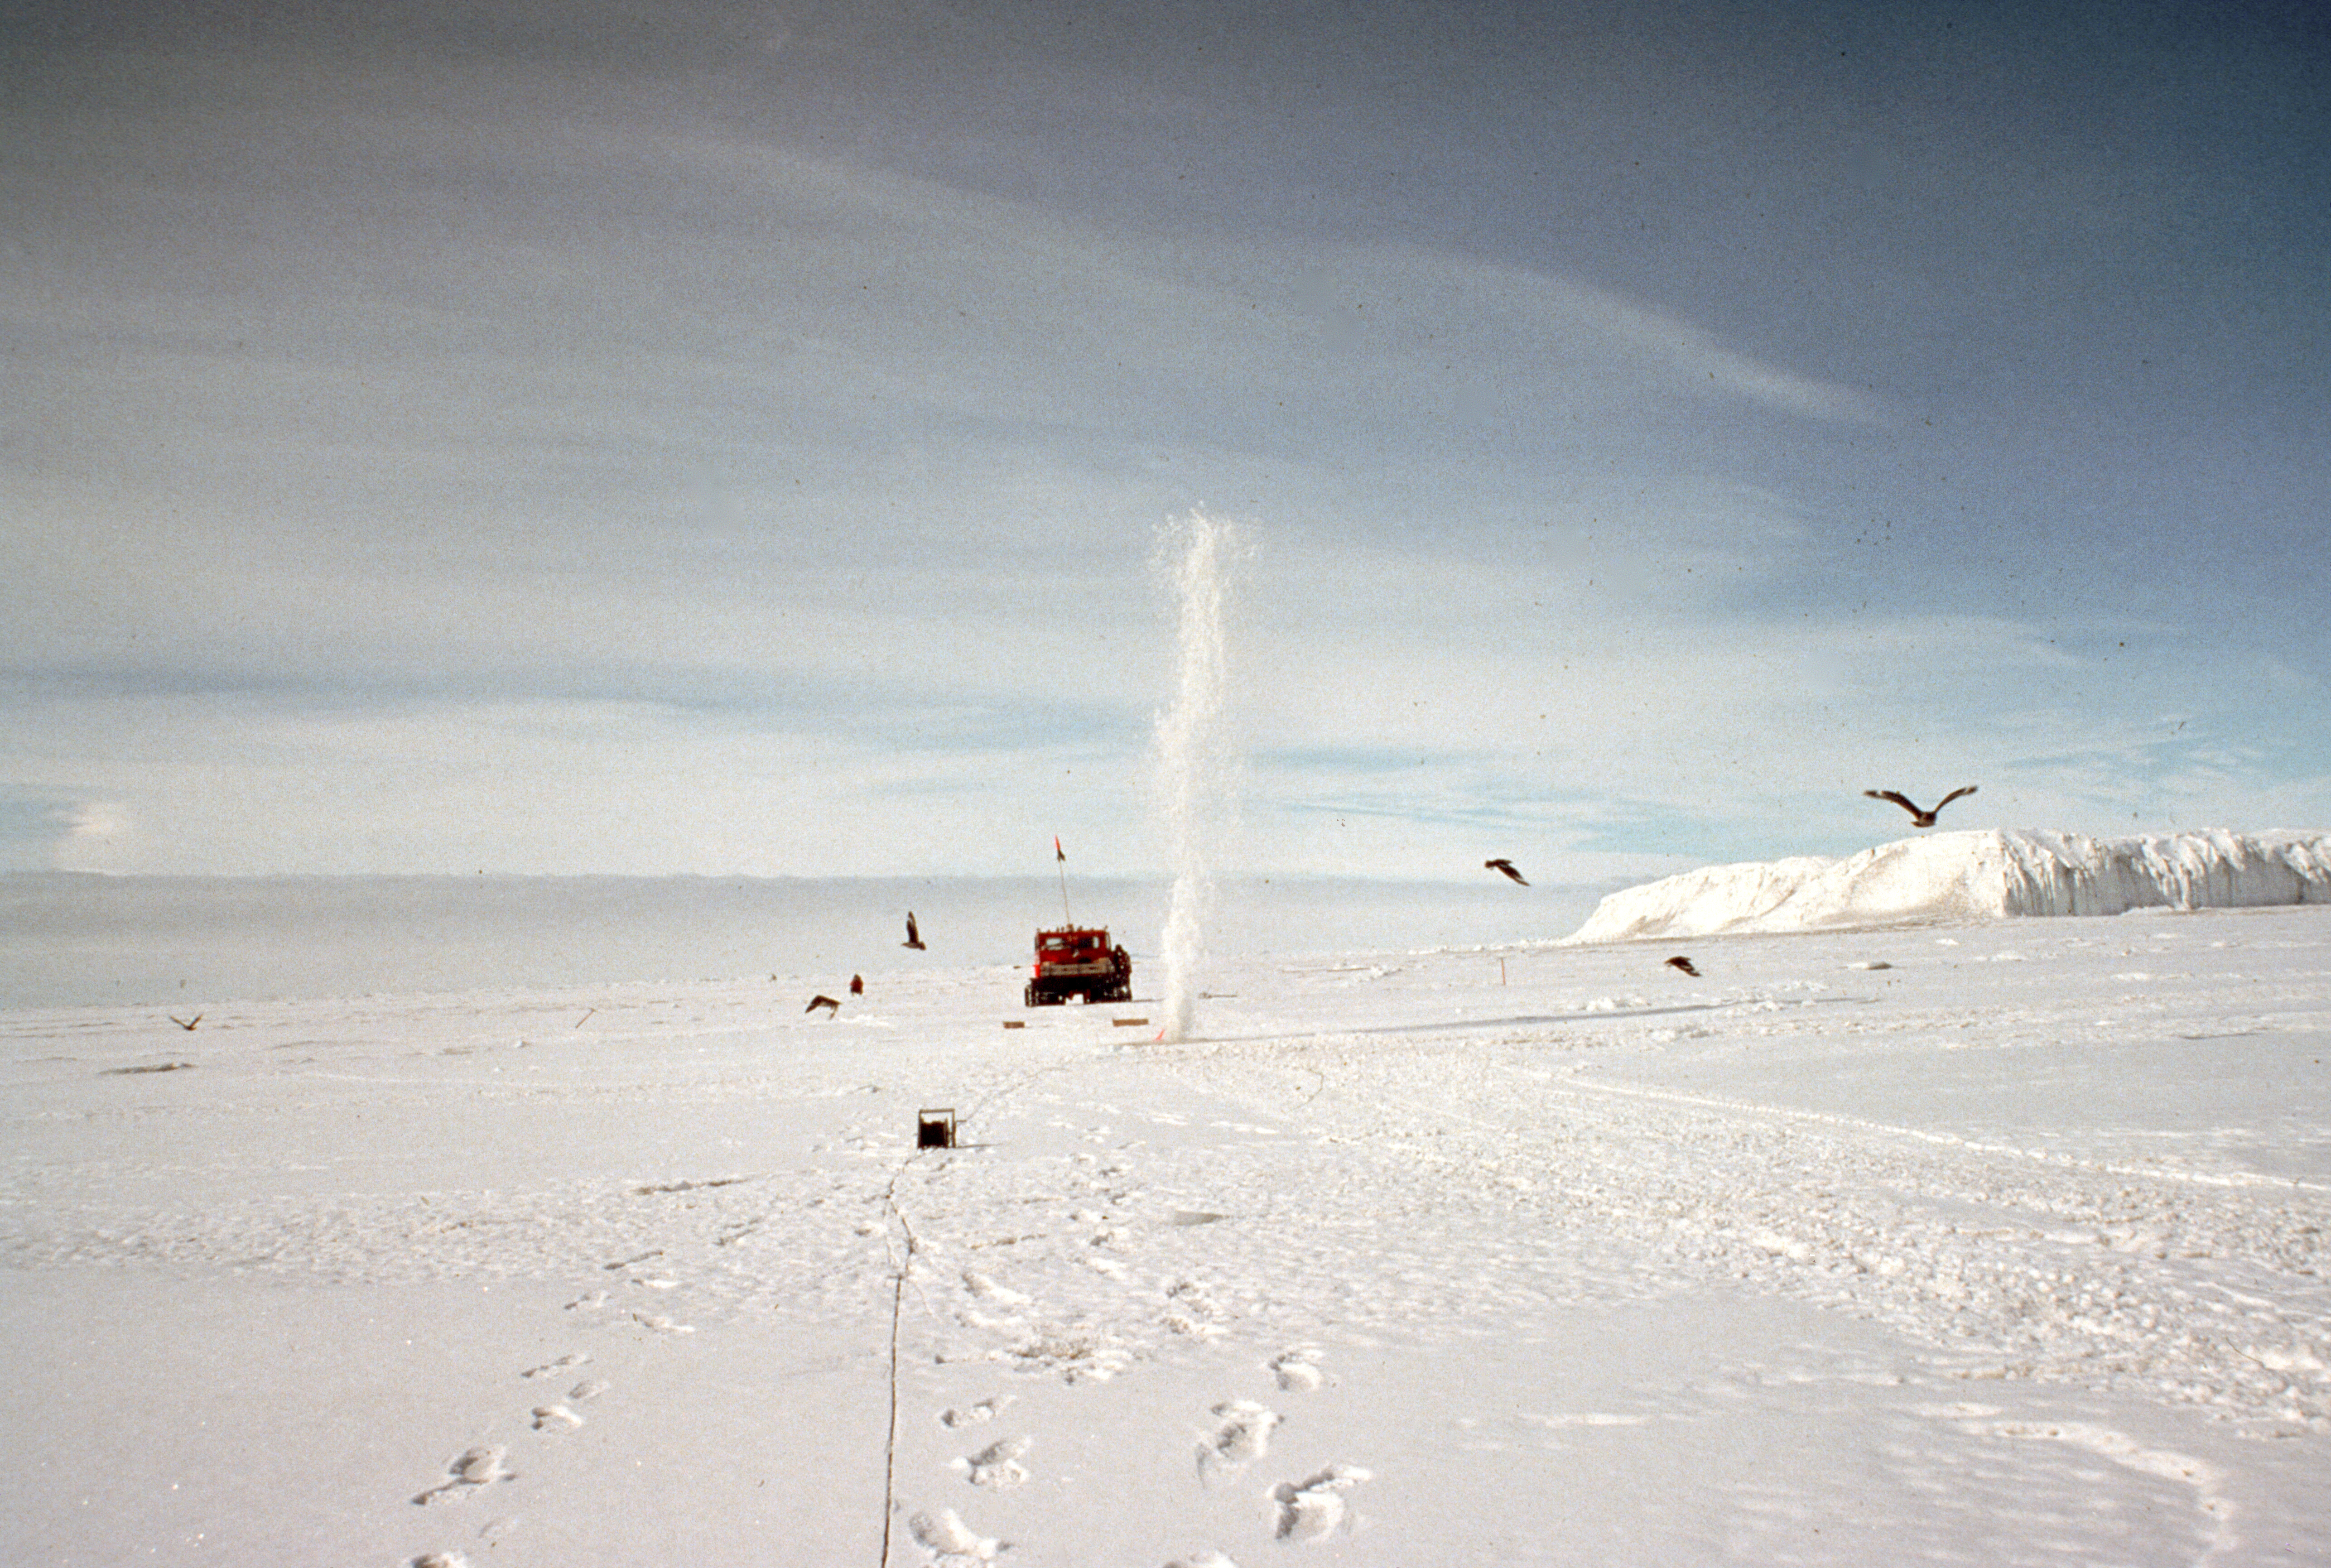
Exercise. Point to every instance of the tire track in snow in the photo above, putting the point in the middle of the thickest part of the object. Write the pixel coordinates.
(1751, 1108)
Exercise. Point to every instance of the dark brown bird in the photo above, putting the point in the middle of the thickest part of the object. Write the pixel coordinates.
(857, 985)
(1684, 964)
(1507, 867)
(1920, 816)
(914, 937)
(184, 1023)
(828, 1002)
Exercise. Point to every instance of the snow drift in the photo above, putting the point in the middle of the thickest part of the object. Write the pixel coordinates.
(1965, 876)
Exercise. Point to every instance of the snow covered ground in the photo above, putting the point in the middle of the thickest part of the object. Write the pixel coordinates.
(1981, 1243)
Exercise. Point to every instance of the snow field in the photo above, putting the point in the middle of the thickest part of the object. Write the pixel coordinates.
(1988, 1243)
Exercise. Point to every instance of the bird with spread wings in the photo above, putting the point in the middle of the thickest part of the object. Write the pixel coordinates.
(1920, 817)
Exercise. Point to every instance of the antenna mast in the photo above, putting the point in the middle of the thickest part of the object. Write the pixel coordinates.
(1062, 856)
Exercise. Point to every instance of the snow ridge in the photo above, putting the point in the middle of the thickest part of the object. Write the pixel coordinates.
(1974, 876)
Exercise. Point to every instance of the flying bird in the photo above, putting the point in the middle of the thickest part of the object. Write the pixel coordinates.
(914, 937)
(1507, 867)
(1920, 816)
(1684, 964)
(186, 1023)
(821, 999)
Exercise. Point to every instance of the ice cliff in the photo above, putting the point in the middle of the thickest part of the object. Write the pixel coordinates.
(1963, 875)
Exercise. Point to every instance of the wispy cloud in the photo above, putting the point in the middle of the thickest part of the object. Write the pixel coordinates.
(518, 437)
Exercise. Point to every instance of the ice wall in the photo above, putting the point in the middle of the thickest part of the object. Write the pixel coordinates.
(1963, 875)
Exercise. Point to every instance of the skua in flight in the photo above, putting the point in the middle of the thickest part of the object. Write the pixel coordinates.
(1920, 817)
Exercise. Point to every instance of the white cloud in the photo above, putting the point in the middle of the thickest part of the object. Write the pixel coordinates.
(103, 821)
(247, 785)
(1537, 330)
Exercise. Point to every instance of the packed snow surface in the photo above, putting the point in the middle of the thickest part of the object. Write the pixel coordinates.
(1990, 1243)
(1963, 875)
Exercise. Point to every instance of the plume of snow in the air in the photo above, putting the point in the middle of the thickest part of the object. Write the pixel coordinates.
(1973, 876)
(1193, 767)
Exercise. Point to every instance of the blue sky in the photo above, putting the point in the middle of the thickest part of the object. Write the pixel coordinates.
(737, 439)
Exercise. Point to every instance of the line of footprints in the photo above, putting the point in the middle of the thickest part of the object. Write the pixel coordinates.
(473, 1469)
(1312, 1509)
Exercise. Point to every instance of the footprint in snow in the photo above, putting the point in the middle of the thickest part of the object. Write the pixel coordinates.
(1203, 1559)
(576, 1359)
(441, 1560)
(555, 1417)
(474, 1468)
(589, 1388)
(1243, 1437)
(955, 1542)
(1194, 1311)
(973, 1415)
(987, 1290)
(663, 1324)
(1297, 1369)
(595, 1299)
(1182, 1323)
(1315, 1509)
(997, 1465)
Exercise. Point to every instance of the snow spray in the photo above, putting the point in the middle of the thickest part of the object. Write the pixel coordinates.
(1193, 767)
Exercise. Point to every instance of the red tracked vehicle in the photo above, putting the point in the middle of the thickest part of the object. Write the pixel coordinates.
(1078, 961)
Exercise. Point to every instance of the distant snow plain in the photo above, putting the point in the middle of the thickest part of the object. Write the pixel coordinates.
(1945, 1239)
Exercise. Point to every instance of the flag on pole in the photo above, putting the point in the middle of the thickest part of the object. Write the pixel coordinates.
(1058, 854)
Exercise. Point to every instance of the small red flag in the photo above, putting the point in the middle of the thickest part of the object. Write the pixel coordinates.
(1058, 854)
